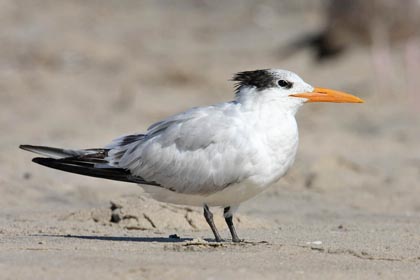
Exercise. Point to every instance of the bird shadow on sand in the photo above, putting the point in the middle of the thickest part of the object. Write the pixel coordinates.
(186, 241)
(121, 238)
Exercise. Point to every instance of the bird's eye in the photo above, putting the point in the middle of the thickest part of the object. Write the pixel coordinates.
(285, 84)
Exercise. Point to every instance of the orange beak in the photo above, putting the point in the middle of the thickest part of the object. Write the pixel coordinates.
(328, 95)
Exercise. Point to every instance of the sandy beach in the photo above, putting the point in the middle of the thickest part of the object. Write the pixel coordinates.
(80, 73)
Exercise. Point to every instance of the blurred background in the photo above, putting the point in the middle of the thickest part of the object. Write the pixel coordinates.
(79, 73)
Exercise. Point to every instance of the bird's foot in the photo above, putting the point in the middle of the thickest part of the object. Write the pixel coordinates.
(237, 240)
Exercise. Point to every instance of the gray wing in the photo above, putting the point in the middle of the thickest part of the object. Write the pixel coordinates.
(200, 151)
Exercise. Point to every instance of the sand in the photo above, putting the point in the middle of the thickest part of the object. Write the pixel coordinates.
(79, 73)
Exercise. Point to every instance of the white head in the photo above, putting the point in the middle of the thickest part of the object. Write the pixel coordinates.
(284, 88)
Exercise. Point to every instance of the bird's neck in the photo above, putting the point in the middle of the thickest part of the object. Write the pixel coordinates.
(267, 105)
(274, 133)
(271, 117)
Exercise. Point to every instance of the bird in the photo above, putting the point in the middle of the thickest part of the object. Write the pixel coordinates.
(212, 156)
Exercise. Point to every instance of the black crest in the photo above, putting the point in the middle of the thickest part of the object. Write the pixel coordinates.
(261, 79)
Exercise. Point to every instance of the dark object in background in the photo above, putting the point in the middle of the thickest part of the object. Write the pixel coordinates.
(381, 25)
(363, 22)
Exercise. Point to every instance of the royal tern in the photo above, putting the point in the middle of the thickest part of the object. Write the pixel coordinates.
(219, 155)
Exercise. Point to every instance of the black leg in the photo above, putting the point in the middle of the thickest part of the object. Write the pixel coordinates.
(229, 222)
(209, 218)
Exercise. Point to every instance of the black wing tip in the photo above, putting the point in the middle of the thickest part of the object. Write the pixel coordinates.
(25, 147)
(42, 160)
(74, 166)
(30, 148)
